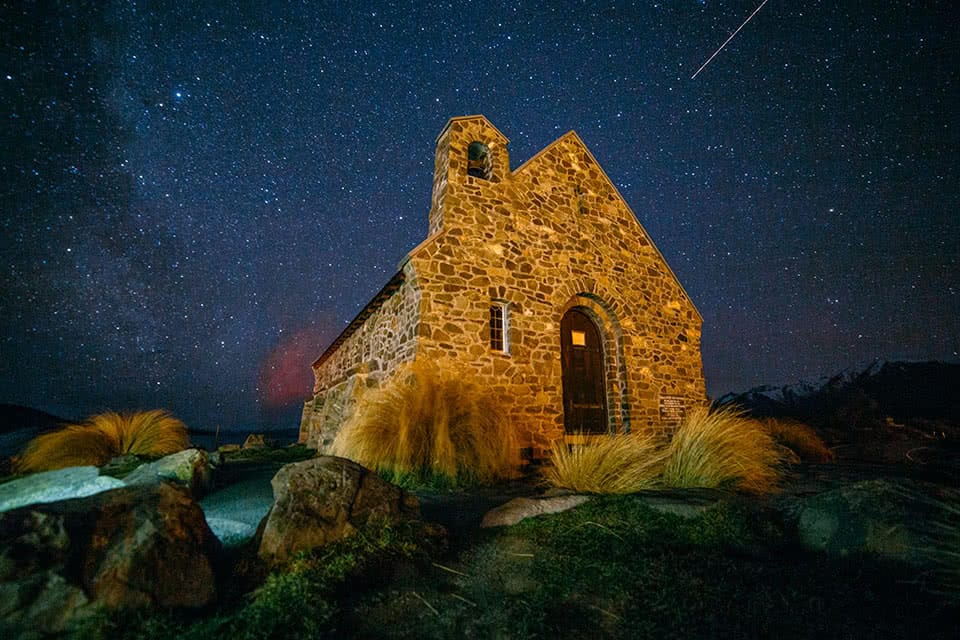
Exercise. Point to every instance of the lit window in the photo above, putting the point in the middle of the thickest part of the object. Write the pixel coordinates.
(578, 338)
(499, 327)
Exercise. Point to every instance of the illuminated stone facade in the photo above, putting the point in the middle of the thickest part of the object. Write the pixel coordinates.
(550, 236)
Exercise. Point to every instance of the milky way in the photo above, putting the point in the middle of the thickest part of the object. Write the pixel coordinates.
(197, 197)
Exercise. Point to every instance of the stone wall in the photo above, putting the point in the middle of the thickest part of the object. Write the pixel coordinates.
(387, 338)
(552, 235)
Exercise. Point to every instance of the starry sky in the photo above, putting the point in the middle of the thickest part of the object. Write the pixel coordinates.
(197, 196)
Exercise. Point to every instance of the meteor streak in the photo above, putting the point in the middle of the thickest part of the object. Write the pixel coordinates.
(729, 39)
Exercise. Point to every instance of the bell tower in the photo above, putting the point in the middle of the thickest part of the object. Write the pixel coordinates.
(471, 158)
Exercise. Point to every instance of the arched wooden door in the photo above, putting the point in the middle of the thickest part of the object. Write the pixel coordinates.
(584, 392)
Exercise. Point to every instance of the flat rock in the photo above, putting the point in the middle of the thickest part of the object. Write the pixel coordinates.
(324, 499)
(52, 486)
(522, 508)
(189, 468)
(872, 516)
(686, 503)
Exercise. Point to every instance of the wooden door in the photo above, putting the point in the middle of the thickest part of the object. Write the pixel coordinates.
(584, 391)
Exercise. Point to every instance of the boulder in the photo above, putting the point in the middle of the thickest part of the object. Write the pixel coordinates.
(189, 468)
(256, 441)
(522, 508)
(871, 516)
(324, 499)
(143, 546)
(51, 486)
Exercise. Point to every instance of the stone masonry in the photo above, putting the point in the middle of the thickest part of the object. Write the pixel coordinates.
(550, 236)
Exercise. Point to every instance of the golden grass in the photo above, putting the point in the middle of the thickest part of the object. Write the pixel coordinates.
(799, 438)
(429, 421)
(622, 463)
(722, 448)
(105, 436)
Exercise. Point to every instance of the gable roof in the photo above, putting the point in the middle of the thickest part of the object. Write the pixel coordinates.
(398, 278)
(373, 306)
(572, 135)
(504, 139)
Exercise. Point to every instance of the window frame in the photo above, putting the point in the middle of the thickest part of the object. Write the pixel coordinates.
(499, 326)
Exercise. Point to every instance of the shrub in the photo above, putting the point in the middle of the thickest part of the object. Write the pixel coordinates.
(799, 438)
(428, 424)
(622, 463)
(102, 437)
(722, 448)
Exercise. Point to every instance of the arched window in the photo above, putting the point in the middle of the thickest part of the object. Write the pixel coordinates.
(479, 161)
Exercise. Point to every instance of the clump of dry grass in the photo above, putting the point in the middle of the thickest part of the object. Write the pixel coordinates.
(105, 436)
(943, 550)
(429, 422)
(799, 438)
(621, 463)
(722, 448)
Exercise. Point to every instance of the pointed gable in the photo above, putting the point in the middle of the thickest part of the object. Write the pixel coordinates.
(570, 150)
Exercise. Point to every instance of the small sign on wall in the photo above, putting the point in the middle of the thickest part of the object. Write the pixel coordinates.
(672, 410)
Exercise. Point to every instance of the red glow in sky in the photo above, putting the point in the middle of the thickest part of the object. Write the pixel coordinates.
(286, 376)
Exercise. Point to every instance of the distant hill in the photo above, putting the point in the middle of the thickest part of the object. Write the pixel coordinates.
(902, 391)
(19, 425)
(14, 417)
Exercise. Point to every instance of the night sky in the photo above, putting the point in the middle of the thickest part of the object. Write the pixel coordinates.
(197, 197)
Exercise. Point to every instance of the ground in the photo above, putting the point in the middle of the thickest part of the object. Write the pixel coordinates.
(618, 567)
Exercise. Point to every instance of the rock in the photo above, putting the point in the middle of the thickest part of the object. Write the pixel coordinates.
(686, 503)
(49, 604)
(324, 499)
(143, 546)
(189, 468)
(121, 465)
(872, 516)
(231, 533)
(51, 486)
(228, 448)
(522, 508)
(256, 441)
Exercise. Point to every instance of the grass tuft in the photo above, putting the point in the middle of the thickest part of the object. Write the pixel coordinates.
(103, 437)
(427, 424)
(622, 463)
(722, 448)
(799, 438)
(942, 552)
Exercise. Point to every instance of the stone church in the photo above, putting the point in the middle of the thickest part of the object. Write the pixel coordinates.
(539, 281)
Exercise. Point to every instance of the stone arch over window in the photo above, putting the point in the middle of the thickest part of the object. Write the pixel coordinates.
(607, 321)
(479, 161)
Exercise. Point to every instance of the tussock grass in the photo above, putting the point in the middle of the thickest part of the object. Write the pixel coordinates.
(622, 463)
(799, 438)
(722, 448)
(104, 436)
(430, 422)
(942, 549)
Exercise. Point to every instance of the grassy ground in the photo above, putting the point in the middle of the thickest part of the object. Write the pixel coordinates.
(615, 568)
